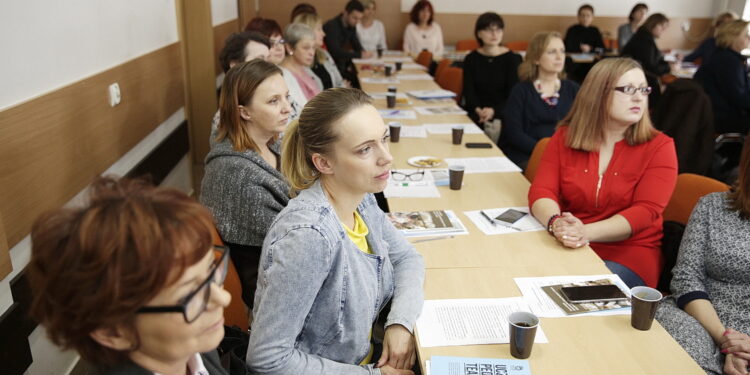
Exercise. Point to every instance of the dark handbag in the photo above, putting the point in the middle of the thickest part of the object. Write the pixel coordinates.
(233, 350)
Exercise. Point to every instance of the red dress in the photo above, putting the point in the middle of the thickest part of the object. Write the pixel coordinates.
(637, 185)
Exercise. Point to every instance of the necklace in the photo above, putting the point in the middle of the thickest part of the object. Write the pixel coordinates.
(550, 99)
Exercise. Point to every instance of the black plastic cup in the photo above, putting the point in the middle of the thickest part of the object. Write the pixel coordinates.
(644, 301)
(388, 70)
(390, 99)
(522, 332)
(456, 176)
(395, 130)
(398, 65)
(458, 134)
(380, 52)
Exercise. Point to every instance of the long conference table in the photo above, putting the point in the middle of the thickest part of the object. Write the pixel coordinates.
(481, 266)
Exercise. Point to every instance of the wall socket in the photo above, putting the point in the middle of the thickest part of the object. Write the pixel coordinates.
(114, 94)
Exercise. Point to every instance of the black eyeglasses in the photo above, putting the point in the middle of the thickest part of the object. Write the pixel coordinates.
(400, 176)
(194, 304)
(631, 90)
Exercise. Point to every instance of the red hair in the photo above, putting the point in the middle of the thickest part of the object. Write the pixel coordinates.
(414, 14)
(265, 26)
(93, 267)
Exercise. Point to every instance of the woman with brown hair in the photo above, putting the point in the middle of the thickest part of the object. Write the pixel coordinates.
(331, 260)
(708, 310)
(539, 101)
(642, 46)
(422, 33)
(242, 184)
(607, 174)
(131, 280)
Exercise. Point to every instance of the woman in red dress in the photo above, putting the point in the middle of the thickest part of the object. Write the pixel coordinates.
(607, 174)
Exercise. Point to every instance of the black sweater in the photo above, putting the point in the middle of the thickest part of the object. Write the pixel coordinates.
(724, 78)
(488, 81)
(578, 34)
(642, 48)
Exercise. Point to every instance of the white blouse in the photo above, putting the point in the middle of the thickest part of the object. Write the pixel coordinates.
(431, 39)
(372, 37)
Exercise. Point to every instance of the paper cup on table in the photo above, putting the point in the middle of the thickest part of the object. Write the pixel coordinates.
(458, 134)
(390, 99)
(380, 52)
(392, 89)
(395, 130)
(522, 332)
(398, 65)
(388, 70)
(456, 176)
(644, 301)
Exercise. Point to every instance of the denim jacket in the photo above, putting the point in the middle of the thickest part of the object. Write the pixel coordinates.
(318, 294)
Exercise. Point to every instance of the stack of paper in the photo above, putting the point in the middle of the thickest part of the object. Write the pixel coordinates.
(427, 223)
(432, 94)
(443, 110)
(495, 164)
(489, 226)
(469, 128)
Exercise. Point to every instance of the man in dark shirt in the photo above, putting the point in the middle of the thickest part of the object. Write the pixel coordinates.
(342, 42)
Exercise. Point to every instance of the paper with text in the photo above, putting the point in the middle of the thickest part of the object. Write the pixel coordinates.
(495, 164)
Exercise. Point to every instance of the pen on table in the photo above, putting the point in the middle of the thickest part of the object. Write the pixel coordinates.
(391, 113)
(433, 239)
(495, 222)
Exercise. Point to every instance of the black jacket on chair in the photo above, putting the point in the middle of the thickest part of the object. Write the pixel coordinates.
(684, 113)
(724, 78)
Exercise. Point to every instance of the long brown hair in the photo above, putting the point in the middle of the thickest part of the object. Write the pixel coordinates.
(591, 108)
(739, 197)
(238, 89)
(314, 132)
(529, 69)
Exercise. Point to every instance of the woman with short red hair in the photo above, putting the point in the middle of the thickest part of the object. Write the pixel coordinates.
(423, 33)
(131, 281)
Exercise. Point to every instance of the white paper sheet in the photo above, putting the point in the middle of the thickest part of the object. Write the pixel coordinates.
(398, 114)
(372, 60)
(469, 128)
(495, 164)
(414, 77)
(451, 322)
(408, 131)
(412, 66)
(383, 80)
(544, 307)
(442, 110)
(382, 95)
(424, 188)
(525, 224)
(403, 59)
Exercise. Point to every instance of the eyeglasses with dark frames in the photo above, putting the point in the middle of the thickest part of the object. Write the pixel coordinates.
(414, 176)
(631, 90)
(194, 304)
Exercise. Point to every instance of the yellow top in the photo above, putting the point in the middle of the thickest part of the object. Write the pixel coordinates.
(358, 235)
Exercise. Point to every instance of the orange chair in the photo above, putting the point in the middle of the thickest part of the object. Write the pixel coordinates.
(690, 187)
(518, 45)
(452, 79)
(236, 313)
(536, 157)
(467, 45)
(424, 58)
(611, 44)
(444, 63)
(667, 79)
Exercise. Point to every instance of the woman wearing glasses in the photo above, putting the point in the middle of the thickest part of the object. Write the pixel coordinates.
(331, 260)
(607, 174)
(131, 281)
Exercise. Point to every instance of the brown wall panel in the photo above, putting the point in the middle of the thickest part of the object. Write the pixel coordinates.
(221, 32)
(52, 146)
(5, 265)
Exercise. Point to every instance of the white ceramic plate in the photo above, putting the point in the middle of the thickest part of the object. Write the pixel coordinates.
(425, 161)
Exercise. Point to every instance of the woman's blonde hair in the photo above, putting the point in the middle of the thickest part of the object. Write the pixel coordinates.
(529, 68)
(312, 20)
(314, 133)
(728, 32)
(237, 90)
(591, 108)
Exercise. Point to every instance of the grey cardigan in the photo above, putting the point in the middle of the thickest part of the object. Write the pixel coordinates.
(243, 192)
(318, 294)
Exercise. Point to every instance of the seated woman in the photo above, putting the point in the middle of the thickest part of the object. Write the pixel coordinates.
(332, 260)
(701, 54)
(707, 313)
(302, 8)
(724, 78)
(242, 184)
(490, 72)
(300, 45)
(642, 48)
(272, 31)
(323, 65)
(422, 33)
(540, 101)
(371, 32)
(131, 281)
(583, 37)
(626, 30)
(607, 174)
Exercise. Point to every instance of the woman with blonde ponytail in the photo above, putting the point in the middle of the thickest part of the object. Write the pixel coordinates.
(242, 184)
(331, 260)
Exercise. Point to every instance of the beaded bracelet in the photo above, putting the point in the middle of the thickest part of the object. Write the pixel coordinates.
(552, 221)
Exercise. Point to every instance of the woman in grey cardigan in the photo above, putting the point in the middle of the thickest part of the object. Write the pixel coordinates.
(709, 312)
(331, 260)
(242, 184)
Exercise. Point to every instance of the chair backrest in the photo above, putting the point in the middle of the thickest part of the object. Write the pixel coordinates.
(467, 45)
(611, 44)
(424, 58)
(444, 63)
(690, 187)
(518, 45)
(452, 79)
(536, 157)
(236, 313)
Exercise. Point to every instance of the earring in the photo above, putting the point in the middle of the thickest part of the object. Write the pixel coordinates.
(291, 53)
